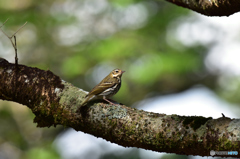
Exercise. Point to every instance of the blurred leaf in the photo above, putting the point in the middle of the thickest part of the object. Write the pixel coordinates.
(122, 2)
(42, 153)
(74, 66)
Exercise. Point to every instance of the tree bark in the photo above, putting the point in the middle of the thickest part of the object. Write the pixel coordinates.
(210, 7)
(56, 102)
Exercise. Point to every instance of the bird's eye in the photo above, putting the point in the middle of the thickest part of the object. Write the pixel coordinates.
(116, 71)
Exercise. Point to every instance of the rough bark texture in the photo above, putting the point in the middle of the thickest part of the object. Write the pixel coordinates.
(56, 102)
(210, 7)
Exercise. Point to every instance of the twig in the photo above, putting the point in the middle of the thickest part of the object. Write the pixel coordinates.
(4, 22)
(19, 29)
(14, 43)
(15, 48)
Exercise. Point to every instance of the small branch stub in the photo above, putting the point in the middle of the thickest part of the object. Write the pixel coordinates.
(14, 43)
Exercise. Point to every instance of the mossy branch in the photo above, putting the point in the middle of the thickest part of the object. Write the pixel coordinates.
(56, 102)
(210, 7)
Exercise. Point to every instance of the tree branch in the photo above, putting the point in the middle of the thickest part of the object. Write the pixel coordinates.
(56, 102)
(210, 7)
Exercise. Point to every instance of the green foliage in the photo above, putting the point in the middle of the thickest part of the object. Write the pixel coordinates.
(74, 66)
(42, 153)
(123, 3)
(9, 129)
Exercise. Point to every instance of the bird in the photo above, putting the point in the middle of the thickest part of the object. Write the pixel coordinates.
(108, 87)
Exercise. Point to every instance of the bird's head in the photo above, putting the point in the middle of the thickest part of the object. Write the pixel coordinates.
(116, 73)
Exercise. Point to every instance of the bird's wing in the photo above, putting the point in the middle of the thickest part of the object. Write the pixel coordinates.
(101, 87)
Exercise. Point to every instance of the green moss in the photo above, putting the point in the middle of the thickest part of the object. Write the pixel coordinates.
(228, 145)
(176, 117)
(200, 140)
(195, 121)
(159, 136)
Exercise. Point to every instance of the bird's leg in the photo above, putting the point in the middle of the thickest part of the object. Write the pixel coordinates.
(109, 101)
(112, 100)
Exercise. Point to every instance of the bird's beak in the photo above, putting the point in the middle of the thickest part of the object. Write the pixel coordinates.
(123, 72)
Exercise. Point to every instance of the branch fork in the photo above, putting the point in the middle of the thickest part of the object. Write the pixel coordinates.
(13, 40)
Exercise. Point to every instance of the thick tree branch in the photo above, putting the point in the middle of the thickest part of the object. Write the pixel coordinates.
(56, 102)
(210, 7)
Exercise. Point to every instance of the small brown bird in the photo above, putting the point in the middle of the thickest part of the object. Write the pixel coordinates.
(109, 86)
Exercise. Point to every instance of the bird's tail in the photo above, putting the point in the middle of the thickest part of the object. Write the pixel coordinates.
(88, 98)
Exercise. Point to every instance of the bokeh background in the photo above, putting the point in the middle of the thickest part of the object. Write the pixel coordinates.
(176, 62)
